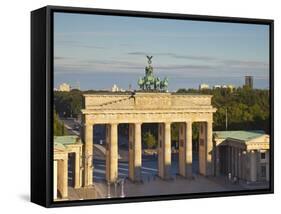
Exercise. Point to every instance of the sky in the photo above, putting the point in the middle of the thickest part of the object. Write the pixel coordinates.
(97, 51)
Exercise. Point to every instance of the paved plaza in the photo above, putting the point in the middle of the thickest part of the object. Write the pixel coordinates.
(151, 184)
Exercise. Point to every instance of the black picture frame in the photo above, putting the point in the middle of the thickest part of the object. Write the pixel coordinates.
(42, 102)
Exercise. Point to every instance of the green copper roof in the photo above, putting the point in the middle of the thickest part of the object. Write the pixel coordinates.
(239, 135)
(59, 146)
(66, 140)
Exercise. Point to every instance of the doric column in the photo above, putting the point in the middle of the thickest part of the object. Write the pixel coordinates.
(77, 176)
(217, 156)
(63, 177)
(236, 161)
(202, 148)
(233, 161)
(253, 166)
(112, 152)
(55, 180)
(135, 151)
(239, 163)
(182, 147)
(188, 171)
(164, 150)
(185, 149)
(209, 158)
(88, 155)
(167, 150)
(206, 148)
(161, 138)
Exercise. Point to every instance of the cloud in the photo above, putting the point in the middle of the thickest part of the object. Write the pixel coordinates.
(245, 63)
(173, 55)
(77, 44)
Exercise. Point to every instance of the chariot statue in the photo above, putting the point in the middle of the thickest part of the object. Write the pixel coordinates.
(151, 83)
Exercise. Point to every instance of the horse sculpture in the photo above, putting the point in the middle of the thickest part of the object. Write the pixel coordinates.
(149, 82)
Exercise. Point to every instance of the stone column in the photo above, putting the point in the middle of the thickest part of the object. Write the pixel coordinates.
(253, 166)
(77, 182)
(188, 171)
(63, 177)
(135, 151)
(164, 151)
(202, 148)
(167, 150)
(217, 156)
(228, 159)
(182, 148)
(210, 151)
(236, 161)
(55, 179)
(232, 161)
(239, 164)
(185, 149)
(206, 149)
(88, 155)
(161, 144)
(112, 153)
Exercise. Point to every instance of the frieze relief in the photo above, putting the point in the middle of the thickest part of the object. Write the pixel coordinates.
(147, 101)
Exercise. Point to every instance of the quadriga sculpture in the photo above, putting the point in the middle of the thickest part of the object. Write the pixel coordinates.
(151, 83)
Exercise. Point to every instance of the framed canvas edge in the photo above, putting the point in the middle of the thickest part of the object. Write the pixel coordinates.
(49, 95)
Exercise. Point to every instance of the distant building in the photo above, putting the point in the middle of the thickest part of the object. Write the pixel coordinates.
(64, 87)
(203, 86)
(115, 88)
(231, 87)
(242, 154)
(249, 81)
(216, 86)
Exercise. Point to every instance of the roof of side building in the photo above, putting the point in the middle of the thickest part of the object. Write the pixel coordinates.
(239, 135)
(66, 140)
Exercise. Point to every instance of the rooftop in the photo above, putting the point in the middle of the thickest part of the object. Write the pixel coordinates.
(66, 140)
(239, 135)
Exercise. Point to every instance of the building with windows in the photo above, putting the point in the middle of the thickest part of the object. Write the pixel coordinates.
(242, 154)
(249, 81)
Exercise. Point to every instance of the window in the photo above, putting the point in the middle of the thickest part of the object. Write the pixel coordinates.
(262, 155)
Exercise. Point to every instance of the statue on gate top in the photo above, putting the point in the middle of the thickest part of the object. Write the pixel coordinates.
(151, 83)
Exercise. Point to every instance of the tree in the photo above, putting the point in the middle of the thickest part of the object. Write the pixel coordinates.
(149, 140)
(58, 127)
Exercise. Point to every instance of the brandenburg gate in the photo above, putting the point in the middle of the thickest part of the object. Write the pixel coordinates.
(144, 107)
(152, 104)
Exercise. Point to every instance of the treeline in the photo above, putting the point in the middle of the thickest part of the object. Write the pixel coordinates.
(68, 104)
(244, 108)
(58, 128)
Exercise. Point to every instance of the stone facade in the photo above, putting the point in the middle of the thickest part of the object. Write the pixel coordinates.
(143, 107)
(243, 154)
(65, 148)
